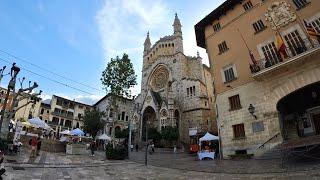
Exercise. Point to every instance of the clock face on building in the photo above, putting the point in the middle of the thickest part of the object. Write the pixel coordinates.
(159, 78)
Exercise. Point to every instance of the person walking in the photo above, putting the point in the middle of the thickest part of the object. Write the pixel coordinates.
(38, 146)
(92, 148)
(33, 143)
(137, 147)
(131, 147)
(152, 147)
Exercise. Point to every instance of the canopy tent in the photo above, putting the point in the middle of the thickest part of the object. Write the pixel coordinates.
(39, 123)
(104, 137)
(208, 137)
(65, 132)
(77, 132)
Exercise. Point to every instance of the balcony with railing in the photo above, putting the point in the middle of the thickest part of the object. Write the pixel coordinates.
(274, 61)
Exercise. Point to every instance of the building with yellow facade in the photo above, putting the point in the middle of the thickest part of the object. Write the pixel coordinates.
(265, 60)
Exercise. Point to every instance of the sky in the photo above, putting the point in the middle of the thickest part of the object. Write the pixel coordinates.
(65, 45)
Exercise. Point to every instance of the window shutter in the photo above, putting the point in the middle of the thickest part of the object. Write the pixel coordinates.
(235, 71)
(222, 76)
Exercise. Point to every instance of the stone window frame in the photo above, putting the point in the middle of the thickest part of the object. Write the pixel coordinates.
(300, 4)
(239, 131)
(234, 102)
(225, 68)
(247, 5)
(314, 21)
(258, 26)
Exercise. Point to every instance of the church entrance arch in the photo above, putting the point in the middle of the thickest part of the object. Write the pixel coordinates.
(149, 120)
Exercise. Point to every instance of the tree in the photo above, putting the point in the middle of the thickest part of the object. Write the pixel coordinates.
(119, 76)
(92, 122)
(122, 133)
(170, 133)
(154, 134)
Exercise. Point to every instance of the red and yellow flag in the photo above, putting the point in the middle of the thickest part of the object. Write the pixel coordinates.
(281, 47)
(310, 30)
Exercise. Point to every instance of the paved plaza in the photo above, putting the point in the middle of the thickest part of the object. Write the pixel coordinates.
(162, 165)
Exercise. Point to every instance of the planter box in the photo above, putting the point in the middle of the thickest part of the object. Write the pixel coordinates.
(76, 149)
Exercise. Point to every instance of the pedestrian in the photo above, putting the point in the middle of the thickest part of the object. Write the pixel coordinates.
(92, 148)
(131, 147)
(38, 146)
(33, 143)
(152, 147)
(137, 147)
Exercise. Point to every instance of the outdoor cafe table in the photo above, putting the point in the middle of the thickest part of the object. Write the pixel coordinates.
(204, 154)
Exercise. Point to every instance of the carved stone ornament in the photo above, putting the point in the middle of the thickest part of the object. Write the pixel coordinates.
(279, 15)
(164, 113)
(159, 78)
(148, 99)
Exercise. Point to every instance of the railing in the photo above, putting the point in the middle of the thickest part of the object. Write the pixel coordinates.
(273, 58)
(263, 144)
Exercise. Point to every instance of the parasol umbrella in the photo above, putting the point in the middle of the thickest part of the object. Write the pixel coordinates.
(77, 132)
(39, 123)
(104, 137)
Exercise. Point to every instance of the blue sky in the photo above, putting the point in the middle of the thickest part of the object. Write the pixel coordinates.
(76, 39)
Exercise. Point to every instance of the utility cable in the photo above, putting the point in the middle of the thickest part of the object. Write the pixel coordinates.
(44, 69)
(50, 79)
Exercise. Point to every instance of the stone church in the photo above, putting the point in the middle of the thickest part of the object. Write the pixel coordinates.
(176, 90)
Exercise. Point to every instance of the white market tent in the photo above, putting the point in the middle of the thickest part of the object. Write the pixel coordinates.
(208, 137)
(39, 123)
(65, 132)
(104, 137)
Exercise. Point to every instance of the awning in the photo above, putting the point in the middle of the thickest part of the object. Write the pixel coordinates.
(104, 137)
(208, 137)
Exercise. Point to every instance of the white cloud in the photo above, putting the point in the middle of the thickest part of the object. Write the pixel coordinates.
(123, 23)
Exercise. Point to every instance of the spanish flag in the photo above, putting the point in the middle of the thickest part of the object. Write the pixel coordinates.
(310, 30)
(281, 47)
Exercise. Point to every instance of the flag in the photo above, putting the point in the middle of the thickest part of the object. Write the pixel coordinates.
(253, 63)
(310, 30)
(281, 47)
(253, 60)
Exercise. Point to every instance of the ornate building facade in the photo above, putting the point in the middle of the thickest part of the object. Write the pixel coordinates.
(176, 90)
(265, 62)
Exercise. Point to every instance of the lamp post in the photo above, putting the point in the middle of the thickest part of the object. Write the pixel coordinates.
(147, 144)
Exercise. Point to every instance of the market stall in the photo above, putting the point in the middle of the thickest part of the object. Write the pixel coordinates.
(76, 146)
(207, 151)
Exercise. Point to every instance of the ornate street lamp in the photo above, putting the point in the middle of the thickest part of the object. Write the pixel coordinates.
(251, 110)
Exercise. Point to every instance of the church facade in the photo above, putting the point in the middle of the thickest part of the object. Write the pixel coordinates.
(176, 90)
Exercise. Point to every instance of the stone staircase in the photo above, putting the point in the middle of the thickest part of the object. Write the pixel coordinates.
(274, 153)
(270, 148)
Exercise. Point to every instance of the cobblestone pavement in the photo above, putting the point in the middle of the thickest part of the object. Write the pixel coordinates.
(184, 161)
(137, 171)
(162, 165)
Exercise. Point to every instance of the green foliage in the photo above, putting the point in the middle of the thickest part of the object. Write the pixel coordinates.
(121, 133)
(119, 76)
(154, 134)
(116, 153)
(92, 122)
(170, 133)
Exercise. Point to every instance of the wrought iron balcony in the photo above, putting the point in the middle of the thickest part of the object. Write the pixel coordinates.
(274, 61)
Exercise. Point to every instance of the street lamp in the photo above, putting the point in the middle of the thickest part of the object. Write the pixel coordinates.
(251, 110)
(147, 143)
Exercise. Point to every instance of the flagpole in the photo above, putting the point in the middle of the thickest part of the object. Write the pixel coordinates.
(243, 39)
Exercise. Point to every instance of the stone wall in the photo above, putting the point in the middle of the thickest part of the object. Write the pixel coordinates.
(264, 96)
